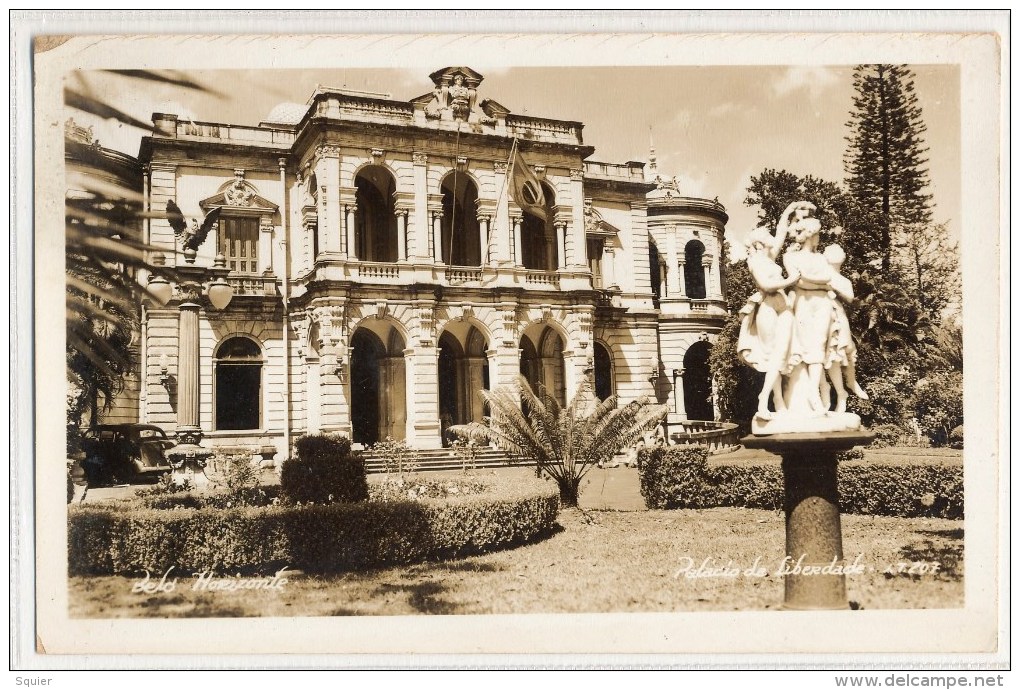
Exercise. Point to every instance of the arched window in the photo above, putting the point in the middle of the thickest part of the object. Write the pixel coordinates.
(694, 272)
(238, 365)
(538, 237)
(461, 242)
(376, 226)
(603, 371)
(655, 271)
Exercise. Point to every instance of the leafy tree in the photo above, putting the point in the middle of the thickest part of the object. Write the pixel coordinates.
(105, 254)
(885, 158)
(737, 385)
(564, 442)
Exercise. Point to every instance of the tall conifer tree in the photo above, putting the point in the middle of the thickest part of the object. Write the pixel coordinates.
(885, 160)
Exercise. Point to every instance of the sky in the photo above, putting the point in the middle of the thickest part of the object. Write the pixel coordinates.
(713, 127)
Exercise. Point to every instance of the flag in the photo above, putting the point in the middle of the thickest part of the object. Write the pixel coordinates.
(526, 189)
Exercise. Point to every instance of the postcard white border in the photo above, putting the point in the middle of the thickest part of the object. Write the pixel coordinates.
(869, 636)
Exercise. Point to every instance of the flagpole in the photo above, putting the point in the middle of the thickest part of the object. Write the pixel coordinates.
(506, 180)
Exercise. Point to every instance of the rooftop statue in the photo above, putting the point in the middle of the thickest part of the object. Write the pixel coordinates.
(795, 329)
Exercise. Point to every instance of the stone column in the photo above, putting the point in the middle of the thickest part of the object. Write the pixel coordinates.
(327, 175)
(423, 381)
(502, 242)
(518, 257)
(706, 267)
(437, 236)
(576, 242)
(608, 265)
(483, 239)
(266, 244)
(672, 264)
(401, 234)
(351, 247)
(422, 225)
(188, 367)
(681, 261)
(561, 247)
(814, 538)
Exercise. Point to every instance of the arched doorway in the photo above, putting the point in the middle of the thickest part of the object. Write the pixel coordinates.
(539, 250)
(463, 372)
(238, 364)
(375, 237)
(461, 242)
(542, 361)
(694, 272)
(698, 382)
(378, 386)
(603, 374)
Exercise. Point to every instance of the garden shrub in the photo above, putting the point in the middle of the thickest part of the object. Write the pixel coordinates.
(956, 437)
(103, 539)
(677, 477)
(397, 456)
(325, 470)
(886, 435)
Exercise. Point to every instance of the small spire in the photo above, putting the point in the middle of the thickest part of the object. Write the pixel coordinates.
(652, 167)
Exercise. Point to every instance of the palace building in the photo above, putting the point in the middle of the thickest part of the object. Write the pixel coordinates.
(370, 270)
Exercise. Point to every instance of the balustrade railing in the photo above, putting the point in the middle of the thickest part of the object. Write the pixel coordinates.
(544, 278)
(252, 285)
(379, 271)
(463, 275)
(718, 437)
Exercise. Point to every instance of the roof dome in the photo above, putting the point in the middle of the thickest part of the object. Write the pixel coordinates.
(286, 113)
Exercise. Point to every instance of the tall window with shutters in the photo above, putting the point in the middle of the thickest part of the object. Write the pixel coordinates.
(239, 243)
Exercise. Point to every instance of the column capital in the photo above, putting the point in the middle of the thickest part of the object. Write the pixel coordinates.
(420, 158)
(327, 151)
(499, 166)
(577, 174)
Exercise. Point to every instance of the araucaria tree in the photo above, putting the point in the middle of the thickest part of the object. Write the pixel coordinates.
(564, 442)
(885, 157)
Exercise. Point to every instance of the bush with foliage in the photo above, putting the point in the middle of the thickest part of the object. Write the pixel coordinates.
(418, 487)
(563, 442)
(397, 456)
(325, 470)
(938, 405)
(107, 539)
(682, 477)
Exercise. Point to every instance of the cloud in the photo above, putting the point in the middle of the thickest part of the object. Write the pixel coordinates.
(724, 108)
(816, 80)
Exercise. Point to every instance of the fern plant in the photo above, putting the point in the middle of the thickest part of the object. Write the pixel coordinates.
(563, 441)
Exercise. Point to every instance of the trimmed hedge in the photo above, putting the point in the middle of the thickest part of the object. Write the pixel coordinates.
(325, 470)
(682, 477)
(319, 538)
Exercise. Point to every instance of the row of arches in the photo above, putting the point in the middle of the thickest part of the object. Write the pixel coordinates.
(694, 270)
(378, 395)
(376, 235)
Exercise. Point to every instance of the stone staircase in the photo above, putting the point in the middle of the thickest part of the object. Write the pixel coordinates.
(439, 459)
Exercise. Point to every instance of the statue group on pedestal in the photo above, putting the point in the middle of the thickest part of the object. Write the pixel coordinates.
(795, 328)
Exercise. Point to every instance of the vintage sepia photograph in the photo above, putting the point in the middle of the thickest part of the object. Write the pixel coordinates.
(423, 344)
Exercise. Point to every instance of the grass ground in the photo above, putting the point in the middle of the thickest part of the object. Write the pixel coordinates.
(611, 556)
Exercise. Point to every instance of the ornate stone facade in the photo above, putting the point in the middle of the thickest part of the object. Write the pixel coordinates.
(383, 272)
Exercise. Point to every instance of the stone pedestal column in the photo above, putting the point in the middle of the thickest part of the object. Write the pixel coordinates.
(814, 571)
(561, 247)
(188, 372)
(402, 234)
(518, 257)
(673, 266)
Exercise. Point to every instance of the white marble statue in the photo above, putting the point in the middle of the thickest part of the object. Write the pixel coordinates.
(795, 329)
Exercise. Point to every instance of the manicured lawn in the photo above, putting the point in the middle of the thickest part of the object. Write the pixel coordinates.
(601, 561)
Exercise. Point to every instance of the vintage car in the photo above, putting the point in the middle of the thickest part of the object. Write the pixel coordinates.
(125, 453)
